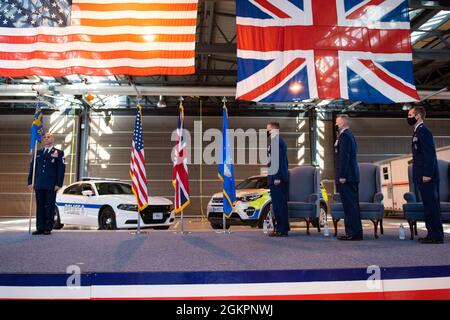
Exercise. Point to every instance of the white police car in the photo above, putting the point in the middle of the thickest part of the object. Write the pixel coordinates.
(108, 204)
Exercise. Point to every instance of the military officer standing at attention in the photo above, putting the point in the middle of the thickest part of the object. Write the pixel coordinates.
(48, 178)
(347, 179)
(426, 174)
(278, 179)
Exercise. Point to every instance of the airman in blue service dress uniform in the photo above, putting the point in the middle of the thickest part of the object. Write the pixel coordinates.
(48, 178)
(426, 174)
(347, 179)
(278, 181)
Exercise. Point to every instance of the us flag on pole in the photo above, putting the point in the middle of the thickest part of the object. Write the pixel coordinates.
(97, 37)
(180, 178)
(137, 164)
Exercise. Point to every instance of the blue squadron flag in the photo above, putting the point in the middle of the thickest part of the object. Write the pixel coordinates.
(37, 128)
(226, 170)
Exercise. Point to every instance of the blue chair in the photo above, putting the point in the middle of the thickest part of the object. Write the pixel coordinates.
(370, 198)
(413, 208)
(304, 195)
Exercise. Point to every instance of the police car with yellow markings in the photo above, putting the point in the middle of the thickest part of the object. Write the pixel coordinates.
(108, 204)
(253, 205)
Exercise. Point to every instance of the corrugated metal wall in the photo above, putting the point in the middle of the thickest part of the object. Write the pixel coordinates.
(383, 138)
(110, 141)
(109, 151)
(15, 157)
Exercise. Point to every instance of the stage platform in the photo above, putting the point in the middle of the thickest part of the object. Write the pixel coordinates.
(245, 264)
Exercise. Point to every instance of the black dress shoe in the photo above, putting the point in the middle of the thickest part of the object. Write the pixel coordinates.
(278, 234)
(47, 232)
(37, 232)
(431, 241)
(423, 239)
(350, 238)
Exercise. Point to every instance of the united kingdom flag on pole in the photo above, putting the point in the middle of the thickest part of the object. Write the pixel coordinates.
(291, 50)
(180, 177)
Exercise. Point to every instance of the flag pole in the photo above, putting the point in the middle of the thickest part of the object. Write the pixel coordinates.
(182, 222)
(32, 185)
(177, 208)
(138, 231)
(224, 221)
(138, 105)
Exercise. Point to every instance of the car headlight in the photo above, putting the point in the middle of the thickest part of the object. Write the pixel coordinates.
(250, 197)
(128, 207)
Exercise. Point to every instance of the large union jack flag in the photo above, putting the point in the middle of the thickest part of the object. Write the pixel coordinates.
(292, 50)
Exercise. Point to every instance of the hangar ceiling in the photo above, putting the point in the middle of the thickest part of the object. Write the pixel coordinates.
(216, 73)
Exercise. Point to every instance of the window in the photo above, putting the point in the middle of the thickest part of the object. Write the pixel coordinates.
(74, 190)
(105, 188)
(253, 183)
(385, 173)
(87, 187)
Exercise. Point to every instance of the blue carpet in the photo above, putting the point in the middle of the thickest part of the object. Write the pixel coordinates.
(108, 251)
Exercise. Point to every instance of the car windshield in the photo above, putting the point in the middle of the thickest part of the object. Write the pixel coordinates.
(105, 188)
(253, 183)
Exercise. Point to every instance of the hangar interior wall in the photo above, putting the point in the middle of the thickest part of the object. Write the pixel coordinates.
(110, 141)
(15, 157)
(383, 138)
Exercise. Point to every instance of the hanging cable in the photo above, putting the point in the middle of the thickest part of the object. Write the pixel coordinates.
(72, 147)
(204, 219)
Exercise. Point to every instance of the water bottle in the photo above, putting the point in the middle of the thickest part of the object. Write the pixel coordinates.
(265, 226)
(326, 231)
(270, 224)
(401, 232)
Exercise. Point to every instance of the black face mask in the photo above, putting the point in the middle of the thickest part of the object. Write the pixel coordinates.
(411, 120)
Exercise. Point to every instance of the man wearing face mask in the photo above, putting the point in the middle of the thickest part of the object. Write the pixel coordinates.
(278, 179)
(347, 179)
(426, 174)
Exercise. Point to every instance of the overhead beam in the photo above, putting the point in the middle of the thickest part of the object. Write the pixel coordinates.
(419, 53)
(207, 32)
(432, 54)
(75, 89)
(216, 48)
(422, 18)
(424, 4)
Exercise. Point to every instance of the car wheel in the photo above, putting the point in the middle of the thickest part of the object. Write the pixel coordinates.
(263, 216)
(57, 220)
(323, 214)
(107, 219)
(161, 227)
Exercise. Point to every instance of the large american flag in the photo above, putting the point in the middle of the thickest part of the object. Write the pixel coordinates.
(137, 164)
(180, 177)
(97, 37)
(353, 49)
